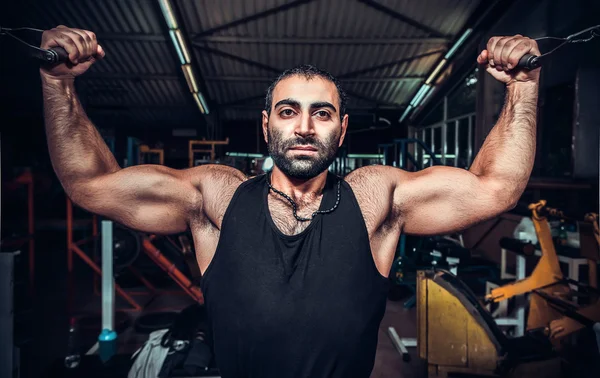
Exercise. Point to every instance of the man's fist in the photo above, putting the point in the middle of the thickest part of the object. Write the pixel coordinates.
(502, 55)
(81, 45)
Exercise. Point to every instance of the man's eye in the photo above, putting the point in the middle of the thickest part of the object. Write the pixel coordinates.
(323, 114)
(287, 112)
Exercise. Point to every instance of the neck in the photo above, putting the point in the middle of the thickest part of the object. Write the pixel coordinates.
(298, 188)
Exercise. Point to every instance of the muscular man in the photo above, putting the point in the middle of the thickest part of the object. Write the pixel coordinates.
(294, 262)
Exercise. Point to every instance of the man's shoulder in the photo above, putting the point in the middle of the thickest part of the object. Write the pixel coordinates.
(216, 175)
(373, 188)
(217, 184)
(365, 177)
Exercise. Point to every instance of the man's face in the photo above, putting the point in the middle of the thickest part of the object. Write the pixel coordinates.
(304, 130)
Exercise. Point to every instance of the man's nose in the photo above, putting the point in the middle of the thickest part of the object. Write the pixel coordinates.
(306, 126)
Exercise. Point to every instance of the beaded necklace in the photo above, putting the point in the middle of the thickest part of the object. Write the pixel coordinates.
(295, 207)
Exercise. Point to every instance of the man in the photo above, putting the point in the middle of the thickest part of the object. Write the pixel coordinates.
(295, 262)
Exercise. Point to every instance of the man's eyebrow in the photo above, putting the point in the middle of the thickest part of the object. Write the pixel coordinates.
(323, 104)
(314, 105)
(288, 101)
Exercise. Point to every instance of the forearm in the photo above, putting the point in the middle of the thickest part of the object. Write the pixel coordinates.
(507, 155)
(77, 150)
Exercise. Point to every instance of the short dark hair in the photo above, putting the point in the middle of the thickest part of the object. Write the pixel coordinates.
(309, 72)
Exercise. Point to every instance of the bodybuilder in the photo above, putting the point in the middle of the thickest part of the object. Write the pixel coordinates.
(294, 262)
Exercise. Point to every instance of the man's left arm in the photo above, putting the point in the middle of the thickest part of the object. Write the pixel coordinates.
(443, 199)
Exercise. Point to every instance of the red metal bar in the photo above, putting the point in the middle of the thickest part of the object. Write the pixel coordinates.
(179, 278)
(142, 279)
(87, 260)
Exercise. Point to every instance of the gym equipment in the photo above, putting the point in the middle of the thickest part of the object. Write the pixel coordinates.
(530, 62)
(125, 247)
(147, 153)
(547, 271)
(128, 238)
(456, 335)
(74, 247)
(50, 56)
(401, 344)
(441, 252)
(550, 305)
(192, 150)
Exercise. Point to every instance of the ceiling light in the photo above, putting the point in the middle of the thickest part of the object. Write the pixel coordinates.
(167, 11)
(176, 43)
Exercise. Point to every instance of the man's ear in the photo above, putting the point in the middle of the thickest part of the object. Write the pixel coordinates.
(344, 128)
(265, 125)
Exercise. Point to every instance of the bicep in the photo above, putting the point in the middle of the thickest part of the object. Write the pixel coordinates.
(149, 198)
(441, 200)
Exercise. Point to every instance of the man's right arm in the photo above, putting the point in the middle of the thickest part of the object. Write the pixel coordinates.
(150, 198)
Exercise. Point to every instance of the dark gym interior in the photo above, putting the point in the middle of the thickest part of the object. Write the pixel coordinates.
(183, 85)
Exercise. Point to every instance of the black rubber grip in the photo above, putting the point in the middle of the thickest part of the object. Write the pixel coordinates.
(528, 62)
(56, 55)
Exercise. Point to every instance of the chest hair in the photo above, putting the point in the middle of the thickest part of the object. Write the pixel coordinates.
(283, 216)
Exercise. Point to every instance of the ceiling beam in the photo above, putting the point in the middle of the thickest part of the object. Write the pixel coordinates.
(353, 80)
(390, 64)
(265, 79)
(254, 17)
(399, 16)
(373, 100)
(236, 58)
(127, 76)
(131, 37)
(121, 106)
(242, 101)
(323, 41)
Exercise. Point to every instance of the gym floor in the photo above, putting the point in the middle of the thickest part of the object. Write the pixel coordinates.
(51, 320)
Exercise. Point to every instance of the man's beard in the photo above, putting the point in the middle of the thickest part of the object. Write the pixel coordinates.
(301, 167)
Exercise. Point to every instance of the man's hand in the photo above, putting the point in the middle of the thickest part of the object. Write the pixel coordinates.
(502, 55)
(81, 45)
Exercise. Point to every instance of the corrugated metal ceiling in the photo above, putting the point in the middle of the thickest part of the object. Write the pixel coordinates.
(240, 45)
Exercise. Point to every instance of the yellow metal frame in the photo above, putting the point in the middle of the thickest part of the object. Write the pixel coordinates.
(146, 150)
(212, 143)
(547, 277)
(547, 271)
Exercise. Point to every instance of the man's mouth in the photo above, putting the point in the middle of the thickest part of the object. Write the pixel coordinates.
(303, 148)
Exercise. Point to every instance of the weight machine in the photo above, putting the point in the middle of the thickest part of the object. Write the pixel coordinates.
(554, 302)
(147, 246)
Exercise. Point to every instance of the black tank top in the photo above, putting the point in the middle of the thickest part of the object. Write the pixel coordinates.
(307, 305)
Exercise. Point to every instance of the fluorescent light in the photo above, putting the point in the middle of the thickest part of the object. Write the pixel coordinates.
(243, 154)
(365, 156)
(199, 103)
(425, 93)
(165, 6)
(458, 43)
(203, 102)
(182, 45)
(436, 71)
(176, 43)
(189, 77)
(426, 98)
(406, 113)
(415, 101)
